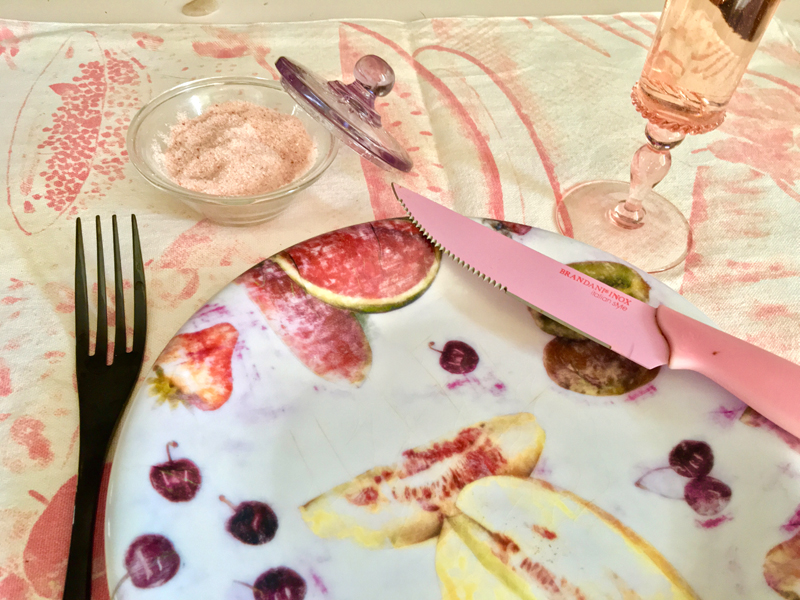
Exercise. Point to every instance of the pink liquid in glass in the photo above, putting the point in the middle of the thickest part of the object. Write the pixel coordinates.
(698, 56)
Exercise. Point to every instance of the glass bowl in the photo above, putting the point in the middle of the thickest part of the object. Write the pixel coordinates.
(149, 132)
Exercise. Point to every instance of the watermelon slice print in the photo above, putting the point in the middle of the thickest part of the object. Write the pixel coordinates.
(328, 340)
(45, 555)
(64, 127)
(70, 142)
(195, 368)
(782, 568)
(371, 267)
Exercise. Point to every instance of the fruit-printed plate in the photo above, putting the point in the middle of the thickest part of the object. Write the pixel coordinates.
(360, 418)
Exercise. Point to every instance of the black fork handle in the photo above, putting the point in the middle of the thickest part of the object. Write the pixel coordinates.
(91, 466)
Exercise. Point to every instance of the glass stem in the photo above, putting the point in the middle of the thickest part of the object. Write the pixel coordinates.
(649, 166)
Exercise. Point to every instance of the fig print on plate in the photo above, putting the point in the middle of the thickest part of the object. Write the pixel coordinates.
(358, 415)
(405, 502)
(525, 537)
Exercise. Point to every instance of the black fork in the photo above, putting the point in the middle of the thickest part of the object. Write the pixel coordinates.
(103, 391)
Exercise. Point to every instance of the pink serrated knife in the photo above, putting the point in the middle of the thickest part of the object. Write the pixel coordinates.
(648, 336)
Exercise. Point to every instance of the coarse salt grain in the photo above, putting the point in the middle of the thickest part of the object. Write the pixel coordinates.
(238, 148)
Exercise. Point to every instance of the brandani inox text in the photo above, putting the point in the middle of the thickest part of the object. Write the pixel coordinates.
(600, 291)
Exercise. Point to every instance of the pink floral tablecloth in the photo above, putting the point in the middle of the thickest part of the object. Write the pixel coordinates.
(500, 115)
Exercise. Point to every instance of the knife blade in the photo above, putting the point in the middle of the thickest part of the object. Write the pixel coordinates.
(650, 336)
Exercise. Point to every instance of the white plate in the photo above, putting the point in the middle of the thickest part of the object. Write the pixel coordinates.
(285, 435)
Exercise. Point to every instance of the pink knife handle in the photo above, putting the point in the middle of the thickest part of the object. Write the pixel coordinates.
(764, 381)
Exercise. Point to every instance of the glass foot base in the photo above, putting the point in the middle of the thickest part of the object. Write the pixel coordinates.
(660, 244)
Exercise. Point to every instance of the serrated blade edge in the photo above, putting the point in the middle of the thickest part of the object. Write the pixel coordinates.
(616, 320)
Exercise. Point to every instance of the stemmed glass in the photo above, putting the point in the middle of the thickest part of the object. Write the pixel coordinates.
(699, 53)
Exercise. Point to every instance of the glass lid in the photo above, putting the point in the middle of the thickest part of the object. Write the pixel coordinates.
(348, 110)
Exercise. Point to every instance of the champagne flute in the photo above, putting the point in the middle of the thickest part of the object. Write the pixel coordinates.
(699, 53)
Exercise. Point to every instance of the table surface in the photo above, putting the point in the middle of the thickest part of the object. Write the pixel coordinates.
(256, 11)
(504, 112)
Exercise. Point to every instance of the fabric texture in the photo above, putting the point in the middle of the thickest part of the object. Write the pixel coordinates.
(501, 116)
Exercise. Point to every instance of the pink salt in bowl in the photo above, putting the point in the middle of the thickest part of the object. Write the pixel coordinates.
(149, 132)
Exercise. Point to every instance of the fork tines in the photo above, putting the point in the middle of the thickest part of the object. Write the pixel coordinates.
(82, 327)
